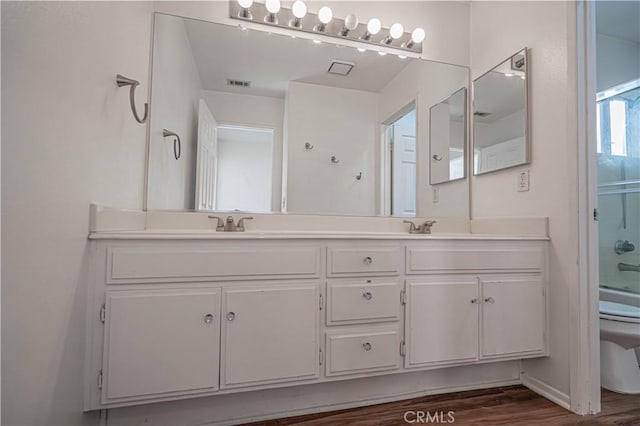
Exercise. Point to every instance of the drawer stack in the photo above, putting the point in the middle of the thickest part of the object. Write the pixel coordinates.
(364, 311)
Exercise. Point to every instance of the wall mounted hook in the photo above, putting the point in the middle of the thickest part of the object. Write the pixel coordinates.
(359, 176)
(334, 160)
(177, 145)
(308, 146)
(125, 81)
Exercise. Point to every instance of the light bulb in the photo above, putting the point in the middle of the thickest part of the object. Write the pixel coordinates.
(273, 6)
(396, 31)
(402, 56)
(245, 4)
(374, 26)
(299, 9)
(325, 14)
(361, 49)
(382, 53)
(351, 22)
(508, 74)
(418, 35)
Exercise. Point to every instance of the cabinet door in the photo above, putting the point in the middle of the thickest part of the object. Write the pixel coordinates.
(442, 321)
(270, 334)
(513, 315)
(160, 343)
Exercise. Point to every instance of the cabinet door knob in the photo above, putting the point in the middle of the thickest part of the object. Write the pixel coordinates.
(367, 295)
(366, 346)
(489, 299)
(231, 316)
(475, 301)
(208, 319)
(368, 260)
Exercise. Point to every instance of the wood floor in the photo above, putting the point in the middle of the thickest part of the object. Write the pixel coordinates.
(513, 405)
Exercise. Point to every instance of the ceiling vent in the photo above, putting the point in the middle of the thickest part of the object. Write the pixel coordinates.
(238, 83)
(340, 67)
(481, 114)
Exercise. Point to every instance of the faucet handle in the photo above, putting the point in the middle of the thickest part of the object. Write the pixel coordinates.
(412, 226)
(426, 226)
(220, 224)
(240, 226)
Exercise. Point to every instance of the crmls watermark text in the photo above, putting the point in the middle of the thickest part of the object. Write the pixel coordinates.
(429, 417)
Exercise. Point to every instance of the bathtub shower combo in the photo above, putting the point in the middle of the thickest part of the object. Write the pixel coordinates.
(618, 116)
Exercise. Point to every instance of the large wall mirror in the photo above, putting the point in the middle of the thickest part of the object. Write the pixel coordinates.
(273, 123)
(448, 138)
(500, 137)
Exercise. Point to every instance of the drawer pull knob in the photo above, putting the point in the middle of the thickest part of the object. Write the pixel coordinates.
(231, 316)
(475, 301)
(368, 260)
(208, 319)
(367, 295)
(489, 300)
(366, 346)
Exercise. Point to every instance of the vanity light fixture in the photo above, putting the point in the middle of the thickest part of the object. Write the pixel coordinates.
(350, 23)
(417, 37)
(373, 27)
(299, 10)
(245, 5)
(395, 32)
(273, 7)
(296, 16)
(325, 15)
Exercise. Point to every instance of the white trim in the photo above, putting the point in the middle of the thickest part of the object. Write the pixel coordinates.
(363, 403)
(585, 346)
(543, 389)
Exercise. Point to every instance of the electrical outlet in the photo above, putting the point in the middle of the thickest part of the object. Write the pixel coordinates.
(523, 181)
(436, 194)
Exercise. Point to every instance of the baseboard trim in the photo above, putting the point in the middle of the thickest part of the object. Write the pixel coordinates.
(366, 402)
(547, 391)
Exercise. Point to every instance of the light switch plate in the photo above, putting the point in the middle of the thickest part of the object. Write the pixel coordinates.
(523, 181)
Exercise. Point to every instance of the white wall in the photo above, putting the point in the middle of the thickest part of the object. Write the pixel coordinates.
(428, 83)
(244, 170)
(175, 93)
(69, 139)
(617, 61)
(337, 122)
(499, 29)
(254, 111)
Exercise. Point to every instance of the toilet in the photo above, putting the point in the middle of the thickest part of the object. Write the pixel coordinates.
(620, 347)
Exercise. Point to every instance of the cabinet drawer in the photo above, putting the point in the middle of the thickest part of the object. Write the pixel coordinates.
(362, 351)
(353, 301)
(476, 256)
(363, 261)
(162, 264)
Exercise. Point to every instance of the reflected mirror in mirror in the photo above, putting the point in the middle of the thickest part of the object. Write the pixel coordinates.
(448, 138)
(500, 138)
(272, 123)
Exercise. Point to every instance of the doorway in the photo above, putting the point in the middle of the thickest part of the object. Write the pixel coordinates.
(400, 143)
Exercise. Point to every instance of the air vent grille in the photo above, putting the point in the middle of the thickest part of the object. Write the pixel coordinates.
(238, 83)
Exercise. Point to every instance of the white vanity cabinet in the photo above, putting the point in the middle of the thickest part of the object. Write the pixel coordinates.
(160, 342)
(270, 334)
(173, 317)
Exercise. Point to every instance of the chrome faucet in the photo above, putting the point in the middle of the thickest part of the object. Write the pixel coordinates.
(623, 247)
(229, 225)
(627, 267)
(425, 228)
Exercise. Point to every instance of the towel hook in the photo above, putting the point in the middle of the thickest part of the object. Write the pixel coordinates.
(308, 146)
(334, 160)
(177, 145)
(125, 81)
(359, 176)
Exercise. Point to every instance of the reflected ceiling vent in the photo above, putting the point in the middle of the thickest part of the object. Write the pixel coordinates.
(481, 114)
(340, 67)
(238, 83)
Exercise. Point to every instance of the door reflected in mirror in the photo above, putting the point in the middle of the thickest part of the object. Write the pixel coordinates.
(448, 138)
(271, 123)
(500, 138)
